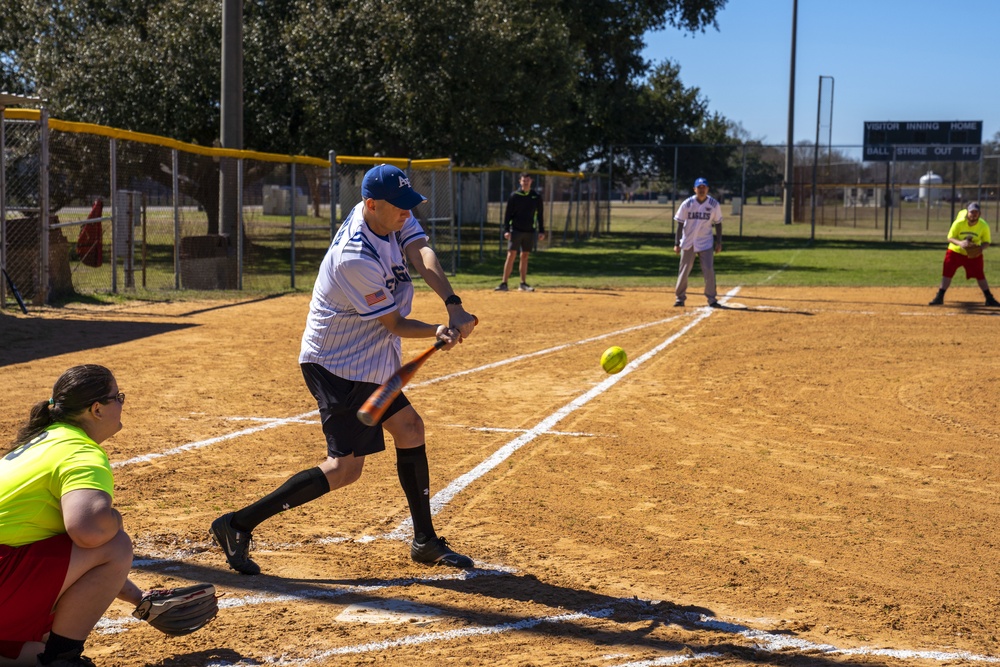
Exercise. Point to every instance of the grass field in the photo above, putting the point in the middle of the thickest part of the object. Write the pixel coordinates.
(634, 250)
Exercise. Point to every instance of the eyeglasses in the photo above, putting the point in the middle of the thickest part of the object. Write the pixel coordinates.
(120, 397)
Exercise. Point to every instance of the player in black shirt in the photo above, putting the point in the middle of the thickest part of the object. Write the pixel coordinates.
(524, 211)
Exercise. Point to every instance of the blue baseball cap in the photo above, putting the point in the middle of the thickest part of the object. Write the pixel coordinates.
(701, 181)
(391, 184)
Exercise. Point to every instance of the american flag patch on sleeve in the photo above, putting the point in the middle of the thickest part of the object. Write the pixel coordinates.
(372, 299)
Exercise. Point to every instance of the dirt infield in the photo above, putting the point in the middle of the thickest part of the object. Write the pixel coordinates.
(806, 477)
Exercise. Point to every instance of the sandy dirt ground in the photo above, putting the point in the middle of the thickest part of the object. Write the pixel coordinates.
(805, 477)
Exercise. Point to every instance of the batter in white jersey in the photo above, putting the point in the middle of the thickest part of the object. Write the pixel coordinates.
(699, 233)
(362, 277)
(359, 311)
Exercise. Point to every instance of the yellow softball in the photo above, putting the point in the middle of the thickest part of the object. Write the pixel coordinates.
(614, 359)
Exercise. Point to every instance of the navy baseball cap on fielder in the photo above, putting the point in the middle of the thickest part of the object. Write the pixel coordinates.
(392, 185)
(701, 181)
(973, 206)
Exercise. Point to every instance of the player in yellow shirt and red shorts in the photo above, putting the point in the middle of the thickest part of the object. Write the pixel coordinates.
(968, 237)
(64, 553)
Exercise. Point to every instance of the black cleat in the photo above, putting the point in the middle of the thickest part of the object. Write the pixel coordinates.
(437, 552)
(235, 544)
(525, 287)
(502, 287)
(679, 303)
(992, 302)
(938, 300)
(715, 304)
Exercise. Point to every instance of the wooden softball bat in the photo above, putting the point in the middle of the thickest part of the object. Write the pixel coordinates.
(381, 398)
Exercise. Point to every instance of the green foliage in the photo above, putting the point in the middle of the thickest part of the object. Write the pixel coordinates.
(471, 79)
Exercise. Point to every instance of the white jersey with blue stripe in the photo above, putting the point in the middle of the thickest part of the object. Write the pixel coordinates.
(699, 219)
(362, 277)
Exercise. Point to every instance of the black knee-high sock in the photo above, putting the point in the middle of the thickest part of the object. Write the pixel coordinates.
(298, 490)
(415, 478)
(58, 646)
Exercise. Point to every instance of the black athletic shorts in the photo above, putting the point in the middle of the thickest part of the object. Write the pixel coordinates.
(523, 241)
(338, 401)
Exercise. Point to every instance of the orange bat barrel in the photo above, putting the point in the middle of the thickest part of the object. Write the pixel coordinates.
(381, 398)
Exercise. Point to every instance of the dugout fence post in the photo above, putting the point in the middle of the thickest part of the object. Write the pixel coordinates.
(292, 199)
(501, 199)
(456, 199)
(114, 226)
(42, 295)
(997, 216)
(578, 194)
(673, 199)
(334, 198)
(979, 185)
(611, 184)
(176, 193)
(743, 187)
(239, 227)
(455, 221)
(484, 202)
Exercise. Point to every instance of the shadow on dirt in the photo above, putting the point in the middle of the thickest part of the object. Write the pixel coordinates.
(530, 605)
(29, 339)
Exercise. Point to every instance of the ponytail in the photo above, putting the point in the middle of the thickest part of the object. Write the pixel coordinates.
(74, 392)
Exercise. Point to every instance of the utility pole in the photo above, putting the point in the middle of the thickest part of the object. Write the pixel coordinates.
(230, 112)
(787, 195)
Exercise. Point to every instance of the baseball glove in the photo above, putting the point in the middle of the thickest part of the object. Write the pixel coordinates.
(974, 251)
(178, 611)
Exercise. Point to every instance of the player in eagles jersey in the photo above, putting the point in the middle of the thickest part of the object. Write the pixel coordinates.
(359, 311)
(699, 232)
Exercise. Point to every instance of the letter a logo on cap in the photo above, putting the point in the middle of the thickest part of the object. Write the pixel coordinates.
(404, 182)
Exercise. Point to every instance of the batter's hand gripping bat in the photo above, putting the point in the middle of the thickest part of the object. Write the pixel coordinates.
(381, 398)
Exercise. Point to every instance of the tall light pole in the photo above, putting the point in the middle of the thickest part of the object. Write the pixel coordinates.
(819, 105)
(787, 193)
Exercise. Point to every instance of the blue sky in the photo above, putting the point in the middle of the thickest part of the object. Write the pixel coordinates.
(905, 60)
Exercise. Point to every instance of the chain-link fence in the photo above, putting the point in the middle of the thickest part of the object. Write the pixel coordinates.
(835, 192)
(575, 208)
(20, 208)
(86, 208)
(138, 212)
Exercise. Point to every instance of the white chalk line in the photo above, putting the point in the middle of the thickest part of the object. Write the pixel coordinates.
(191, 446)
(783, 266)
(116, 625)
(306, 417)
(495, 429)
(445, 495)
(416, 640)
(773, 643)
(548, 350)
(763, 640)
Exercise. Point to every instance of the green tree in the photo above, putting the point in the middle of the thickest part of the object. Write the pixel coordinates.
(556, 82)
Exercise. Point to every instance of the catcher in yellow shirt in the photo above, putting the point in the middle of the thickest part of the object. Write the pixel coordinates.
(64, 553)
(968, 237)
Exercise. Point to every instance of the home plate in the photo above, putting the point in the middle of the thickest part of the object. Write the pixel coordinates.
(387, 611)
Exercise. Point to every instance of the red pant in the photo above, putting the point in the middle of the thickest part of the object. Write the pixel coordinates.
(30, 580)
(973, 265)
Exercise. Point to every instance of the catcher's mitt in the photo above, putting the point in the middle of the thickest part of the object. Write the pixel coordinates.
(178, 611)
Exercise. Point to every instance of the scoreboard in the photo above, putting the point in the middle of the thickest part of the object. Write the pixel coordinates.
(946, 141)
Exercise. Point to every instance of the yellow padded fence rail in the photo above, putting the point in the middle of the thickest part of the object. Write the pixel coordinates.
(517, 170)
(141, 137)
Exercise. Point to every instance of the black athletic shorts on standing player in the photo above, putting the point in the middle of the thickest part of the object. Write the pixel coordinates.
(338, 401)
(521, 241)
